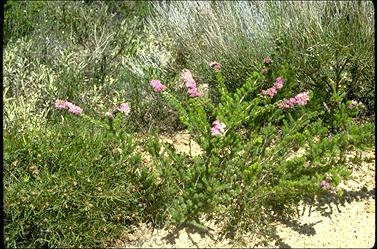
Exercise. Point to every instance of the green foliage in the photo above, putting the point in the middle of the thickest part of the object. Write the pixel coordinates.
(77, 51)
(100, 53)
(333, 50)
(253, 165)
(20, 18)
(326, 43)
(74, 184)
(83, 180)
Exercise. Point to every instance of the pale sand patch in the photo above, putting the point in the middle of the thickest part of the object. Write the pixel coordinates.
(352, 225)
(183, 143)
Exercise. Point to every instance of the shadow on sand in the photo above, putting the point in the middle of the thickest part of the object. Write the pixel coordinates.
(324, 205)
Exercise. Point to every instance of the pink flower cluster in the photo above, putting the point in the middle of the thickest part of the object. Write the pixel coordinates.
(217, 128)
(267, 60)
(215, 65)
(352, 104)
(300, 99)
(190, 83)
(63, 104)
(157, 86)
(124, 108)
(279, 82)
(325, 185)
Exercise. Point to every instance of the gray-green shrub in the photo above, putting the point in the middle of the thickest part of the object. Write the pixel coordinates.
(77, 51)
(324, 42)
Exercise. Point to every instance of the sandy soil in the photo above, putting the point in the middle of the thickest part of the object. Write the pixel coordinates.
(329, 222)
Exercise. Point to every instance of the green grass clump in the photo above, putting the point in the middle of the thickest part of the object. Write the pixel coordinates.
(67, 186)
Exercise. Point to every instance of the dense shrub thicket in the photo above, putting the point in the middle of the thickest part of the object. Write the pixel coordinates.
(105, 52)
(89, 86)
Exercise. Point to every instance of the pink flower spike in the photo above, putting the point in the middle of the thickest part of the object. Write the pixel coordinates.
(215, 65)
(74, 109)
(186, 75)
(324, 185)
(302, 98)
(218, 128)
(187, 78)
(190, 83)
(291, 102)
(157, 86)
(272, 91)
(282, 104)
(267, 60)
(279, 83)
(125, 108)
(193, 92)
(61, 104)
(279, 79)
(264, 92)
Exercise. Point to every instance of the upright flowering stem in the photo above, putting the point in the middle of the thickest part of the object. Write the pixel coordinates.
(218, 128)
(279, 82)
(157, 86)
(190, 83)
(219, 77)
(64, 104)
(300, 99)
(222, 88)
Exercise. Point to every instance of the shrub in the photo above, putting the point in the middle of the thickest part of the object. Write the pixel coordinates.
(78, 182)
(258, 159)
(76, 179)
(332, 47)
(328, 44)
(76, 51)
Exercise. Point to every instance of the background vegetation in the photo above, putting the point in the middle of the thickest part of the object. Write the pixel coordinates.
(97, 54)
